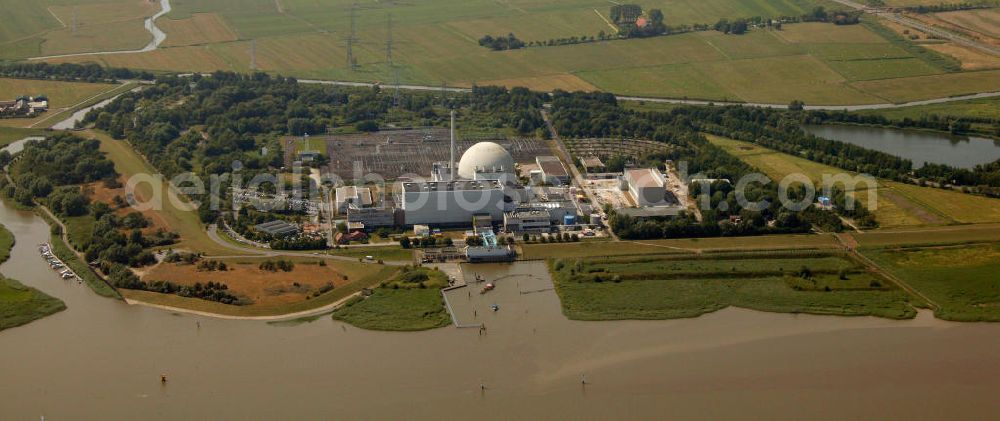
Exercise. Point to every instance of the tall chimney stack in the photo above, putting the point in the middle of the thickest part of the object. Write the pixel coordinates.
(452, 162)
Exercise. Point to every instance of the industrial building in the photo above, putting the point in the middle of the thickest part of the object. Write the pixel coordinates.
(277, 228)
(552, 170)
(372, 217)
(647, 187)
(528, 220)
(451, 203)
(359, 197)
(490, 251)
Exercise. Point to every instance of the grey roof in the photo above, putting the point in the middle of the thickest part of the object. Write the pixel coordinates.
(277, 227)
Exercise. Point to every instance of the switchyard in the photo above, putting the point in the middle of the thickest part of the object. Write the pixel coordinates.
(412, 152)
(606, 148)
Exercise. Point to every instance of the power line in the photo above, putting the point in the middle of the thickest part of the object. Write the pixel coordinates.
(253, 54)
(352, 63)
(388, 39)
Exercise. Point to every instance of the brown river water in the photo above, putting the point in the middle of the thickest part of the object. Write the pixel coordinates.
(101, 359)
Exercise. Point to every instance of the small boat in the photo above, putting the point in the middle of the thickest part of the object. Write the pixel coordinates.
(495, 307)
(487, 288)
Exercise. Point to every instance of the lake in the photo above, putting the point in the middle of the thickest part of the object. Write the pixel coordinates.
(101, 359)
(917, 146)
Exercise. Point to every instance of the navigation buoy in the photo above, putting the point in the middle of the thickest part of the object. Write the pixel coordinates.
(163, 378)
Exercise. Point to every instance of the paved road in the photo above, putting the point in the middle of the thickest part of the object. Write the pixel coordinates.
(565, 156)
(849, 107)
(923, 27)
(214, 235)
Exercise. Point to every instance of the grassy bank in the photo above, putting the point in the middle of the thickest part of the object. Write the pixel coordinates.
(962, 280)
(679, 286)
(19, 304)
(410, 301)
(681, 245)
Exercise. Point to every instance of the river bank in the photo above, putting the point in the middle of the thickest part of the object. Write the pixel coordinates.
(726, 364)
(19, 304)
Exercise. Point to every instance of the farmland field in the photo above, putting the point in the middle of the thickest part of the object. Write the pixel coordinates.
(435, 43)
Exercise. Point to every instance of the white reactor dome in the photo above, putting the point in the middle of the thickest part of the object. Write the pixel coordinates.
(485, 157)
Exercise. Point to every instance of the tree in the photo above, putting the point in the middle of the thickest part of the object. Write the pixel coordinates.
(796, 105)
(405, 242)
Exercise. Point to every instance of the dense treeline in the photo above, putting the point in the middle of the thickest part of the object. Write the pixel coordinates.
(70, 72)
(951, 7)
(944, 123)
(516, 108)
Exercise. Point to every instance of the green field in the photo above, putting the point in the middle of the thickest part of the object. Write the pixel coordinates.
(11, 134)
(435, 42)
(401, 304)
(961, 280)
(626, 288)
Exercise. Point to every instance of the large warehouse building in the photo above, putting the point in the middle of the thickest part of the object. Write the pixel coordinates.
(451, 203)
(647, 187)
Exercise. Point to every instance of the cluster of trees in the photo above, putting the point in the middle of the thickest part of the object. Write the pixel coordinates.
(517, 108)
(69, 71)
(551, 238)
(303, 242)
(737, 27)
(51, 172)
(986, 126)
(276, 265)
(625, 14)
(500, 42)
(423, 242)
(212, 266)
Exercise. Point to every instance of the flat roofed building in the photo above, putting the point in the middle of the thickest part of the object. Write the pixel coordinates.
(553, 170)
(451, 203)
(528, 220)
(592, 164)
(360, 197)
(371, 217)
(277, 228)
(490, 251)
(646, 186)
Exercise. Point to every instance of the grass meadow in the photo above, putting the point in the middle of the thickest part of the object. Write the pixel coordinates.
(666, 288)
